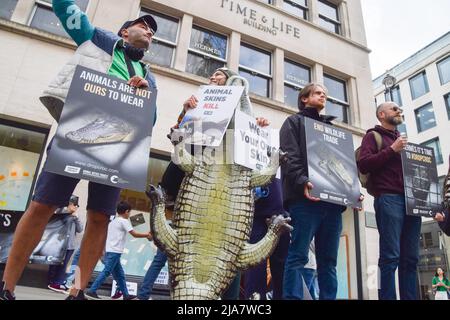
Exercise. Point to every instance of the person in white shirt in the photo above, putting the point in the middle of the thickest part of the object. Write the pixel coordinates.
(115, 244)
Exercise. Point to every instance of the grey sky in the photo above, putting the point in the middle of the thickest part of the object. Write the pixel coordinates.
(396, 29)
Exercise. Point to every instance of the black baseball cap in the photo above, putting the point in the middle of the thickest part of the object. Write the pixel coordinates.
(74, 200)
(148, 19)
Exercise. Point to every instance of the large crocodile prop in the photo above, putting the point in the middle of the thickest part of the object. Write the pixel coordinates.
(213, 217)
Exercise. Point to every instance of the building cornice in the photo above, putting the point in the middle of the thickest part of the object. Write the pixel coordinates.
(312, 25)
(37, 34)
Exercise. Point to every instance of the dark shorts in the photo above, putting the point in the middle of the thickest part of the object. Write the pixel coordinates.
(55, 189)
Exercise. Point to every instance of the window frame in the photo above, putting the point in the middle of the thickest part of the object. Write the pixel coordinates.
(388, 96)
(336, 23)
(15, 6)
(439, 70)
(447, 104)
(439, 158)
(294, 85)
(300, 6)
(47, 6)
(422, 73)
(156, 39)
(345, 104)
(419, 129)
(205, 55)
(255, 72)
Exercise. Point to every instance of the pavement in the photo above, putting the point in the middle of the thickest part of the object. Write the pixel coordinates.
(32, 293)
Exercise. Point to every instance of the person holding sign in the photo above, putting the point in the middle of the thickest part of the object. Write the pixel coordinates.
(104, 51)
(311, 218)
(173, 174)
(399, 233)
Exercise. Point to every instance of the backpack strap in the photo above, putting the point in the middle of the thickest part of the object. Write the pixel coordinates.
(378, 140)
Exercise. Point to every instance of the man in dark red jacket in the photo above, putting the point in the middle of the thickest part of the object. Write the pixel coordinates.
(399, 233)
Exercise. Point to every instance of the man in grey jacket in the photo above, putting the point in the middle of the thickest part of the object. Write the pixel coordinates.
(57, 273)
(118, 55)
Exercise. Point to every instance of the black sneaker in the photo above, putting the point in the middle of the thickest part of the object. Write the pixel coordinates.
(130, 297)
(80, 296)
(5, 294)
(92, 295)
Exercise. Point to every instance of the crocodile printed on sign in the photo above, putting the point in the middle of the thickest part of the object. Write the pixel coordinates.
(213, 216)
(334, 166)
(101, 130)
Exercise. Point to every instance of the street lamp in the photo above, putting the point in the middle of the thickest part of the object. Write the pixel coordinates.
(389, 82)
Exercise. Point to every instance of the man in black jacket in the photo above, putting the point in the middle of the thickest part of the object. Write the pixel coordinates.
(310, 216)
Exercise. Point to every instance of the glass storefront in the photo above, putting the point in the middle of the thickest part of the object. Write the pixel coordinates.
(138, 254)
(434, 253)
(21, 148)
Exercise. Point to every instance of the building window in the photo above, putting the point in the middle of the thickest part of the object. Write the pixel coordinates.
(298, 8)
(419, 85)
(434, 143)
(45, 19)
(207, 52)
(337, 103)
(447, 104)
(162, 48)
(394, 96)
(256, 66)
(7, 8)
(444, 70)
(425, 117)
(296, 76)
(329, 16)
(426, 240)
(402, 127)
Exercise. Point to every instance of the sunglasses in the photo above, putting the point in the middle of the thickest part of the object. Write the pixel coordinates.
(396, 109)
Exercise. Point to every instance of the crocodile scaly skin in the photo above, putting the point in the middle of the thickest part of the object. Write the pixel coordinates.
(213, 217)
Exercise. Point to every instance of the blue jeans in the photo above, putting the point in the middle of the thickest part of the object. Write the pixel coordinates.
(323, 221)
(70, 277)
(112, 266)
(399, 247)
(145, 289)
